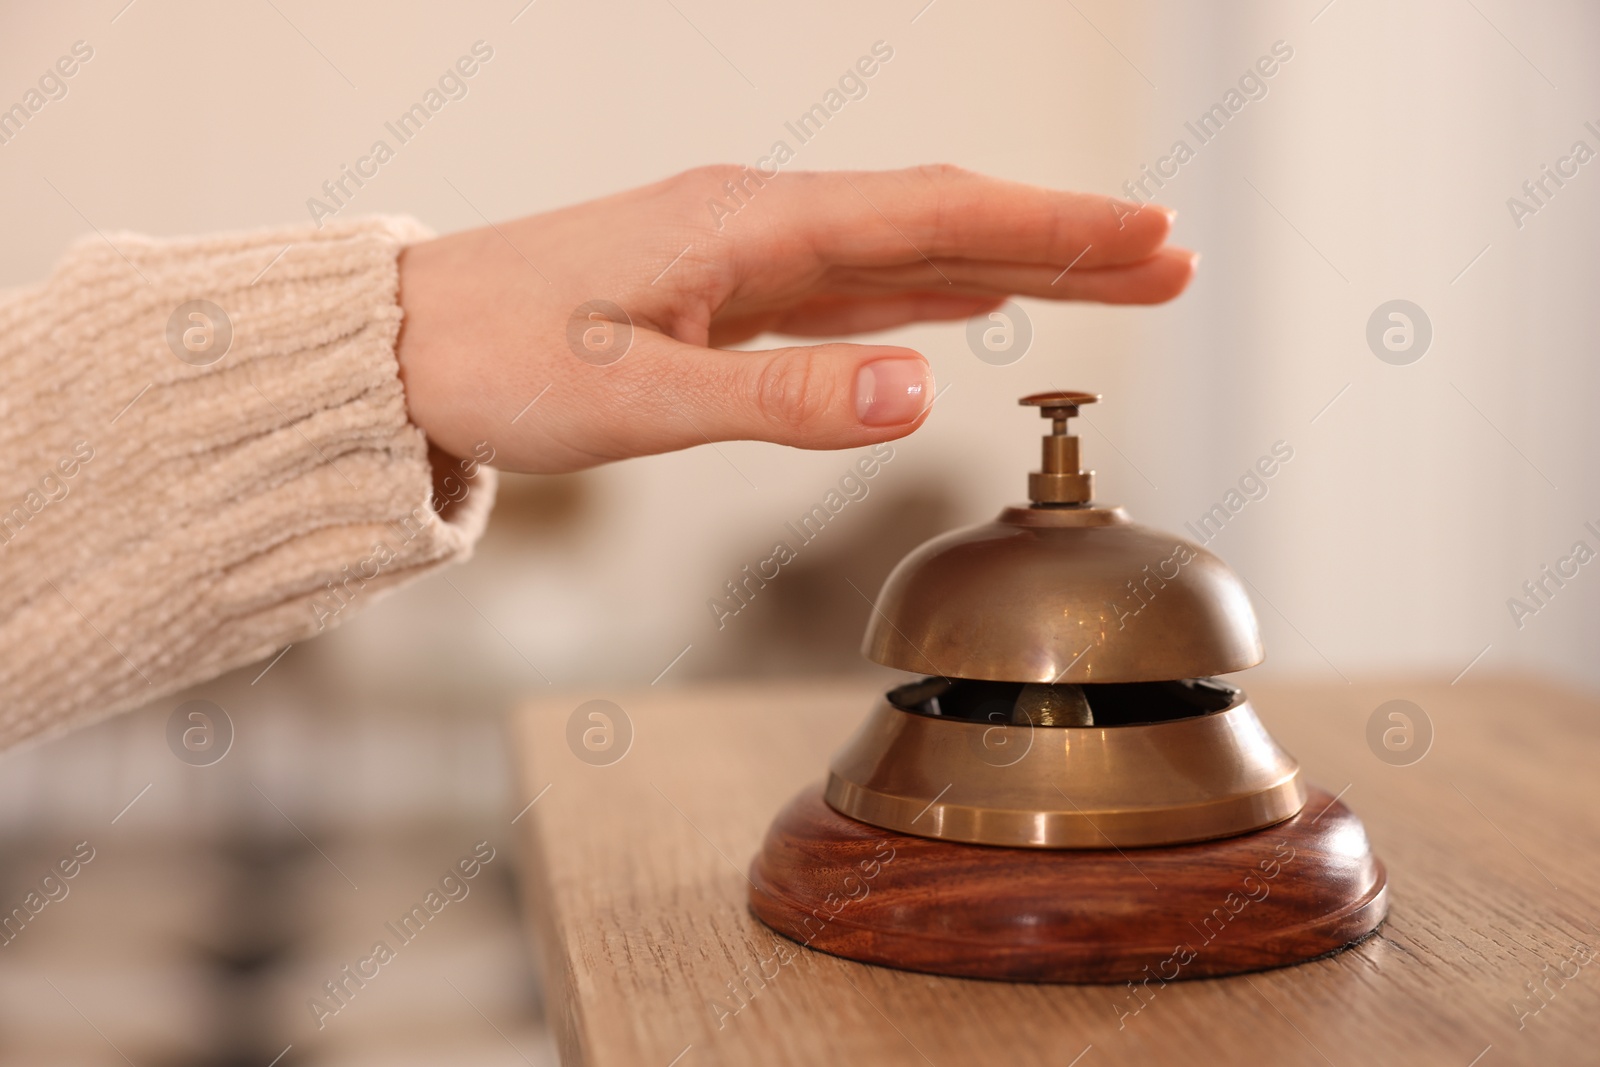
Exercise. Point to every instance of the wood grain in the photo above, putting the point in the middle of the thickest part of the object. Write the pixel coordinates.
(1289, 893)
(636, 879)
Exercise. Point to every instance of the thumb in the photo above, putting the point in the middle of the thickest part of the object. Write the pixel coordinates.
(813, 396)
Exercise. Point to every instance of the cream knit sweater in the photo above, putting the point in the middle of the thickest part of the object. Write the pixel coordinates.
(163, 522)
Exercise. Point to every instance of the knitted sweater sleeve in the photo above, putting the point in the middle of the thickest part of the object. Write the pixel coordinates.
(204, 457)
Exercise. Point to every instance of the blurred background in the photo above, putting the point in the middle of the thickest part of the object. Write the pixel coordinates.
(1397, 152)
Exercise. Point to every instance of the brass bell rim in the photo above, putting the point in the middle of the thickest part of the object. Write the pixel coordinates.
(1199, 778)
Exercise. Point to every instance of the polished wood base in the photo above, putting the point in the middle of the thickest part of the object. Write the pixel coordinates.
(1301, 889)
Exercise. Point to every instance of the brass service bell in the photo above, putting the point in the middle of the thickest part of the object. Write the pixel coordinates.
(1068, 735)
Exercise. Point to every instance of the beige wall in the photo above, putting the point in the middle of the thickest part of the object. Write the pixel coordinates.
(1377, 166)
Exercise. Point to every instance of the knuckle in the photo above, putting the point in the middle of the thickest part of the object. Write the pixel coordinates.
(941, 197)
(942, 172)
(792, 391)
(706, 176)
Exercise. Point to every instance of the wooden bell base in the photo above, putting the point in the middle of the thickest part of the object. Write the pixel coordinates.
(1304, 888)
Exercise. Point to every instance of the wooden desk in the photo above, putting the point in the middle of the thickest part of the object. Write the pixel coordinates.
(637, 882)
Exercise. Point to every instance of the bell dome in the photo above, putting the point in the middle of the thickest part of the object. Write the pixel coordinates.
(1063, 591)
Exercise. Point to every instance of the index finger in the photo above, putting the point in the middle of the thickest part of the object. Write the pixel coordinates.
(885, 218)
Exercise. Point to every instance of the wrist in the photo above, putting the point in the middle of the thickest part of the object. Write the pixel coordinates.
(419, 347)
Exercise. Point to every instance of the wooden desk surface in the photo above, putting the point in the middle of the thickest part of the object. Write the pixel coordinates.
(637, 884)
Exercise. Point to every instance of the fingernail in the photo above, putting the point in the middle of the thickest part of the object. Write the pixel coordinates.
(892, 392)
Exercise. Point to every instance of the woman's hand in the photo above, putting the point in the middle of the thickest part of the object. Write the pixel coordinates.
(497, 317)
